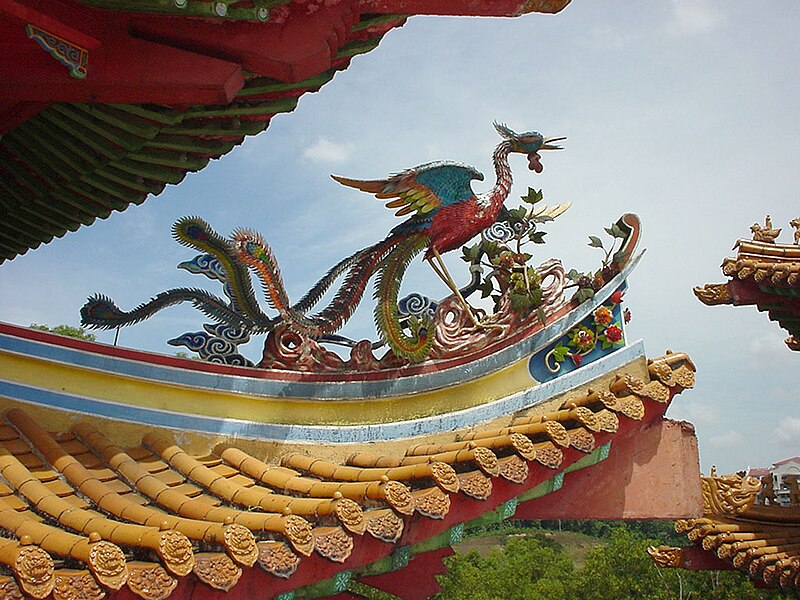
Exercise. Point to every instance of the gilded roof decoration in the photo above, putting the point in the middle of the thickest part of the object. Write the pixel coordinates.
(729, 494)
(761, 540)
(764, 273)
(666, 556)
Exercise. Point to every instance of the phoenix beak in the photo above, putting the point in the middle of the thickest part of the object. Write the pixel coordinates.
(548, 143)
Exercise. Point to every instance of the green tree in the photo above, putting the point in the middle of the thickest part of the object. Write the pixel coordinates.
(525, 568)
(622, 569)
(67, 330)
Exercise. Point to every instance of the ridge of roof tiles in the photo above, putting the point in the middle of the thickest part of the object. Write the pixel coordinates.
(761, 540)
(87, 517)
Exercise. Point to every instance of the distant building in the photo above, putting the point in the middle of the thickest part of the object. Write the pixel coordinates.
(782, 481)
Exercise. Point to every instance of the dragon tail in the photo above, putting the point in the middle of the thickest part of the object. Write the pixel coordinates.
(416, 347)
(100, 312)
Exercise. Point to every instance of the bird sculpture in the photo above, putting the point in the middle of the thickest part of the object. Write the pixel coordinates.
(766, 234)
(446, 210)
(445, 214)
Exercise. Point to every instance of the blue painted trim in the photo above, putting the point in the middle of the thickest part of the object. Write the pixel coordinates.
(399, 386)
(328, 434)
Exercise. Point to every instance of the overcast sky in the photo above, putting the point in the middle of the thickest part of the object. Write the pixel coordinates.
(685, 112)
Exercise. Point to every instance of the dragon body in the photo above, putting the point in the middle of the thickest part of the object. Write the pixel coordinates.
(446, 213)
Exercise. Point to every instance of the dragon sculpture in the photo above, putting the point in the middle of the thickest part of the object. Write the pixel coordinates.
(446, 214)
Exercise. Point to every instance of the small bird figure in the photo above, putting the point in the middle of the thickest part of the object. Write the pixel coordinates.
(446, 209)
(765, 234)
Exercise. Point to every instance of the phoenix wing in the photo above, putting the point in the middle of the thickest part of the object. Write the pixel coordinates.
(422, 189)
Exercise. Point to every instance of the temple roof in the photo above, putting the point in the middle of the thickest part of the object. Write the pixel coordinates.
(741, 530)
(86, 515)
(100, 109)
(765, 274)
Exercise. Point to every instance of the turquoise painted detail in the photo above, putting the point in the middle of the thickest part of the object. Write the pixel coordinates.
(450, 182)
(457, 534)
(558, 481)
(400, 557)
(341, 580)
(605, 450)
(509, 508)
(285, 596)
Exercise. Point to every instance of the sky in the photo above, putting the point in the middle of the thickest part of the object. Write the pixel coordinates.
(682, 111)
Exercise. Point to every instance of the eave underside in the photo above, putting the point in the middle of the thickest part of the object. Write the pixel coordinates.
(102, 104)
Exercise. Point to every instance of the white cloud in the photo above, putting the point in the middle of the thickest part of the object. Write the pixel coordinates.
(325, 151)
(769, 350)
(731, 439)
(701, 415)
(788, 430)
(695, 17)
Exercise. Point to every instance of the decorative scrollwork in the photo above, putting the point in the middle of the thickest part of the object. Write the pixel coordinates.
(333, 543)
(277, 558)
(298, 531)
(216, 570)
(70, 55)
(445, 477)
(240, 544)
(350, 515)
(107, 563)
(175, 550)
(417, 305)
(434, 503)
(499, 231)
(34, 569)
(150, 581)
(385, 526)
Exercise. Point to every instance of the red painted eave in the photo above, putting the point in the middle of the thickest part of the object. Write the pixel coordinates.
(463, 8)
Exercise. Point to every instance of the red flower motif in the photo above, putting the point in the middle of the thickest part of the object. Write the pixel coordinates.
(613, 334)
(577, 359)
(627, 315)
(616, 297)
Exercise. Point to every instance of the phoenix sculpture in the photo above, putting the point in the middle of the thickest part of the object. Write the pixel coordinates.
(445, 214)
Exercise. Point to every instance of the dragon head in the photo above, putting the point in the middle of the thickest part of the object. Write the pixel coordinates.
(530, 143)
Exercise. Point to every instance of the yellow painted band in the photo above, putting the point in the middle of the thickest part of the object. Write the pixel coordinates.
(132, 391)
